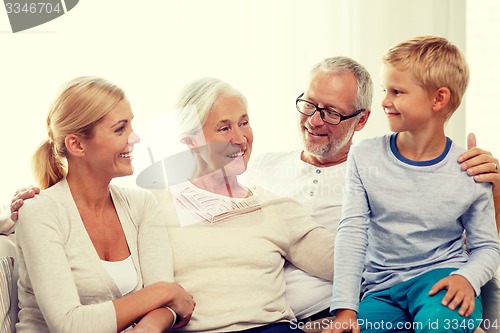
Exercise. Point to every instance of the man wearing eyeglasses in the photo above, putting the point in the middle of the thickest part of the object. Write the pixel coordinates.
(334, 105)
(331, 109)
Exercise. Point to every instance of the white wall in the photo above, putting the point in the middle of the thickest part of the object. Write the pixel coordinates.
(382, 23)
(483, 53)
(152, 48)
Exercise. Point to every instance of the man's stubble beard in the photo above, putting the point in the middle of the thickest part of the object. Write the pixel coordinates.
(331, 150)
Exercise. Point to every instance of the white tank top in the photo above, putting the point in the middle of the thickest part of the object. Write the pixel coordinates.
(123, 273)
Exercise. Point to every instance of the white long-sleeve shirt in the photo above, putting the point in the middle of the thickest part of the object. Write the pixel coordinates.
(319, 191)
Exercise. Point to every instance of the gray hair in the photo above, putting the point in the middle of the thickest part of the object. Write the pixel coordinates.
(343, 65)
(196, 101)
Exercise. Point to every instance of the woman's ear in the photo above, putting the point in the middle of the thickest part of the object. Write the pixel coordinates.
(189, 142)
(74, 145)
(441, 98)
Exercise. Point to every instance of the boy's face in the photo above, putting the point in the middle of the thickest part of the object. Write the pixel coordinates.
(407, 105)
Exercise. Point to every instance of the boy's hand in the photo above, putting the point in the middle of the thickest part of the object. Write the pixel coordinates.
(345, 321)
(460, 291)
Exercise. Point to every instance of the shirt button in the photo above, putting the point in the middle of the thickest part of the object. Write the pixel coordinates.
(315, 181)
(311, 194)
(318, 171)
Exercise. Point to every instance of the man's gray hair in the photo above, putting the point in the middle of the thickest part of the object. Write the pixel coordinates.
(343, 65)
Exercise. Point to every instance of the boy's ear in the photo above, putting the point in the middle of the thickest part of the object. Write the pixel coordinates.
(441, 98)
(74, 145)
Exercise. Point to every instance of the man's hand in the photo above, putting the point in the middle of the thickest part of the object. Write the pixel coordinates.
(479, 163)
(460, 291)
(18, 200)
(484, 167)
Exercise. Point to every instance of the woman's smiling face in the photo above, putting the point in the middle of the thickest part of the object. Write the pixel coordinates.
(227, 135)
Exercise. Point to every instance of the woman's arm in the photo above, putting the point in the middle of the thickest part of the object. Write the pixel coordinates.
(42, 240)
(310, 244)
(159, 320)
(44, 271)
(144, 304)
(155, 255)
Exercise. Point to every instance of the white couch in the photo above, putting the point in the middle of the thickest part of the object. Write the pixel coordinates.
(490, 292)
(8, 249)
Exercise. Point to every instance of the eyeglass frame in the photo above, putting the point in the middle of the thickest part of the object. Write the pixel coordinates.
(322, 113)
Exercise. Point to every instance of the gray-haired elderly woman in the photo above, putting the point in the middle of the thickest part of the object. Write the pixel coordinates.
(230, 242)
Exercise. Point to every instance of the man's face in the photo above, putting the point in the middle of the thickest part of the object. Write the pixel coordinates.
(326, 144)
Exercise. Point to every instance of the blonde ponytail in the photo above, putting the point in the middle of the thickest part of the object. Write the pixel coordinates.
(48, 166)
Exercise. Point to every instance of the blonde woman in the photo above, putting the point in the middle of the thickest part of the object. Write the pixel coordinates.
(86, 248)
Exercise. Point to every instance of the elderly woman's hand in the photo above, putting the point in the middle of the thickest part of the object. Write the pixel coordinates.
(182, 303)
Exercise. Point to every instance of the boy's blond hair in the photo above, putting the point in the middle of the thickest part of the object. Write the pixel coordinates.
(435, 63)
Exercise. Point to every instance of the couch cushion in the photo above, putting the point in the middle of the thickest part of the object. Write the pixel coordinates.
(6, 276)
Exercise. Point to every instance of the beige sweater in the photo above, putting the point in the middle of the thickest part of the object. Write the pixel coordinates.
(233, 266)
(63, 286)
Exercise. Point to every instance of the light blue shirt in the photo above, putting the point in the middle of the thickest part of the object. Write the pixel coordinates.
(402, 218)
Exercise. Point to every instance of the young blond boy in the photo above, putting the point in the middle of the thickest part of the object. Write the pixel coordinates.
(402, 226)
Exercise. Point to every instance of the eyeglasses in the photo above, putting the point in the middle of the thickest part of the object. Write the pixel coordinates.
(328, 115)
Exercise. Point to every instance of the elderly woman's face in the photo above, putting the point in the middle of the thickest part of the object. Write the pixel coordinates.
(228, 136)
